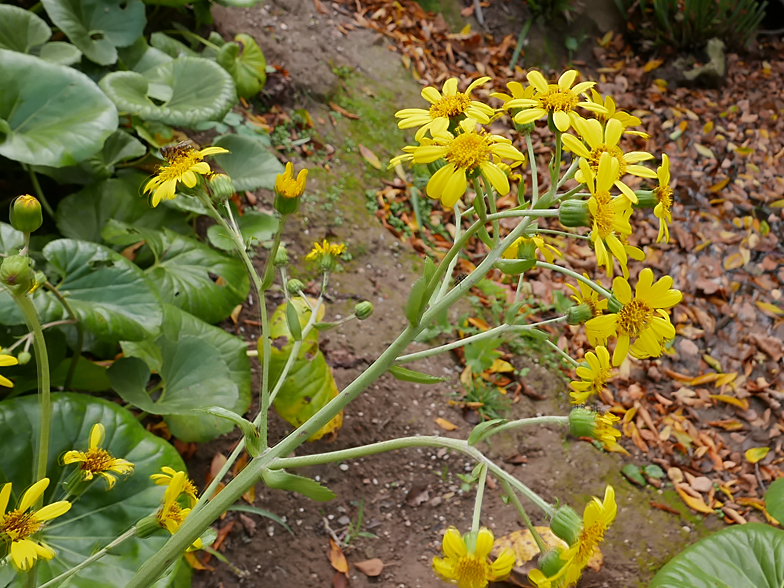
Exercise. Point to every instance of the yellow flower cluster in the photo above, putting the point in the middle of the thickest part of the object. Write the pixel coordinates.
(96, 461)
(466, 559)
(178, 489)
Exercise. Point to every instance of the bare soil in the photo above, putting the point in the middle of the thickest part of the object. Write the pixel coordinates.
(409, 497)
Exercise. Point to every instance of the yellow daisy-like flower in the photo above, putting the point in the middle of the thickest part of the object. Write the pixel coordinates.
(609, 216)
(326, 248)
(96, 461)
(605, 431)
(165, 479)
(605, 140)
(466, 560)
(516, 92)
(559, 99)
(663, 193)
(593, 377)
(171, 515)
(632, 252)
(643, 316)
(184, 165)
(6, 360)
(17, 526)
(535, 243)
(626, 119)
(445, 106)
(467, 154)
(638, 350)
(584, 294)
(287, 186)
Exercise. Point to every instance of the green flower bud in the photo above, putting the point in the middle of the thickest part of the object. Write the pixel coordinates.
(17, 274)
(281, 257)
(295, 286)
(550, 562)
(567, 525)
(147, 526)
(26, 215)
(614, 305)
(434, 166)
(286, 205)
(76, 484)
(221, 187)
(582, 422)
(525, 129)
(646, 199)
(24, 357)
(577, 315)
(574, 213)
(363, 310)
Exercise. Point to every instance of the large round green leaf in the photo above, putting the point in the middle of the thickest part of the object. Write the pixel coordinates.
(745, 556)
(255, 227)
(20, 29)
(249, 163)
(100, 515)
(50, 114)
(111, 296)
(198, 427)
(60, 53)
(181, 92)
(98, 27)
(774, 500)
(246, 64)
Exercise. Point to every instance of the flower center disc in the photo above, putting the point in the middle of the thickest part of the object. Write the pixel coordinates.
(450, 106)
(605, 214)
(556, 100)
(664, 196)
(96, 460)
(470, 572)
(468, 151)
(615, 151)
(589, 539)
(179, 164)
(18, 525)
(633, 317)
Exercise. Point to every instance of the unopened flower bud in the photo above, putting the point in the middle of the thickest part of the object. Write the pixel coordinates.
(24, 357)
(221, 187)
(577, 315)
(601, 427)
(16, 274)
(147, 526)
(550, 562)
(574, 213)
(614, 305)
(363, 310)
(281, 257)
(646, 199)
(525, 129)
(289, 189)
(566, 524)
(295, 286)
(26, 215)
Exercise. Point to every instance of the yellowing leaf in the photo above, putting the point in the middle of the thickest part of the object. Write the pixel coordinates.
(697, 504)
(777, 203)
(369, 156)
(769, 308)
(725, 379)
(605, 41)
(445, 424)
(733, 261)
(704, 379)
(707, 127)
(499, 365)
(652, 64)
(336, 557)
(756, 454)
(704, 151)
(713, 362)
(525, 549)
(739, 402)
(718, 186)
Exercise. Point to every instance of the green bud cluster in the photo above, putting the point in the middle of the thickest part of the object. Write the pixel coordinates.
(16, 274)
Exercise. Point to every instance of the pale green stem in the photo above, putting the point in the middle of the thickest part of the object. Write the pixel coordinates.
(590, 283)
(93, 558)
(534, 172)
(79, 334)
(453, 262)
(572, 192)
(529, 422)
(562, 353)
(480, 493)
(524, 516)
(488, 188)
(569, 173)
(39, 192)
(562, 233)
(519, 289)
(556, 164)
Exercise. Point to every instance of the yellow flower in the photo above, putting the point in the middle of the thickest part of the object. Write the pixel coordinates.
(326, 248)
(16, 526)
(663, 194)
(467, 154)
(632, 252)
(182, 165)
(534, 242)
(165, 479)
(467, 565)
(96, 461)
(642, 317)
(518, 92)
(592, 378)
(605, 431)
(597, 518)
(627, 120)
(6, 360)
(171, 515)
(605, 140)
(444, 108)
(584, 294)
(288, 187)
(610, 216)
(559, 99)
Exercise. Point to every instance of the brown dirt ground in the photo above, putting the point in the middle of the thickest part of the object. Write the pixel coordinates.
(294, 35)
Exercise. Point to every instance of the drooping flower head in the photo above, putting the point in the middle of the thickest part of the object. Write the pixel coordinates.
(466, 559)
(642, 320)
(663, 194)
(171, 514)
(593, 377)
(96, 461)
(183, 164)
(6, 360)
(165, 479)
(609, 215)
(584, 294)
(626, 119)
(287, 186)
(605, 140)
(447, 106)
(19, 525)
(559, 99)
(467, 154)
(528, 247)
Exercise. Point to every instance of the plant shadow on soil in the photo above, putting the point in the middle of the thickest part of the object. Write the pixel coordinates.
(408, 497)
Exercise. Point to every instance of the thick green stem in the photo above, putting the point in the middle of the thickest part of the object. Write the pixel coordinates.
(590, 283)
(480, 494)
(524, 515)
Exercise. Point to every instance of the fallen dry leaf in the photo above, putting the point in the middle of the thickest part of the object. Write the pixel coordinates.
(445, 424)
(369, 156)
(370, 567)
(692, 502)
(336, 557)
(756, 454)
(343, 111)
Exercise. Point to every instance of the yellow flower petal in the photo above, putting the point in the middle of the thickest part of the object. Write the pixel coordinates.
(33, 493)
(52, 511)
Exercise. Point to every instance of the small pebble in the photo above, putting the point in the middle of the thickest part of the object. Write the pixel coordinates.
(344, 467)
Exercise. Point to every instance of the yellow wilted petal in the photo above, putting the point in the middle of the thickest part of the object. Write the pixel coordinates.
(704, 151)
(499, 365)
(739, 402)
(445, 424)
(697, 504)
(713, 362)
(525, 549)
(767, 307)
(719, 185)
(652, 64)
(756, 454)
(725, 379)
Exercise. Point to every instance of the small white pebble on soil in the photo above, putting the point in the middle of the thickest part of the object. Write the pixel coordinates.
(344, 467)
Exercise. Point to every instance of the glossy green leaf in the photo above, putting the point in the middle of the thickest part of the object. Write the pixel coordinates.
(249, 163)
(415, 301)
(60, 53)
(11, 240)
(99, 516)
(84, 214)
(246, 64)
(255, 227)
(140, 57)
(171, 47)
(744, 556)
(181, 92)
(110, 295)
(120, 146)
(98, 27)
(21, 30)
(233, 352)
(280, 480)
(309, 385)
(50, 114)
(774, 500)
